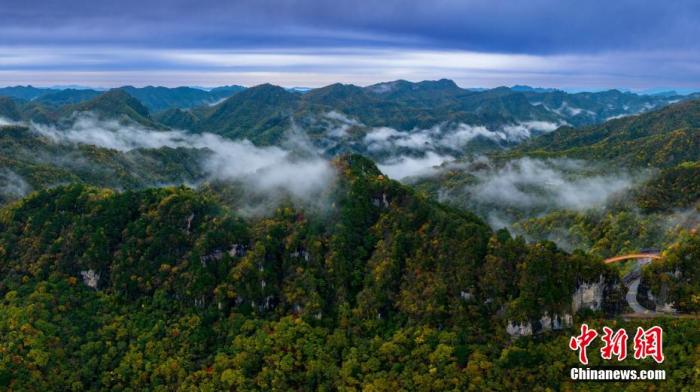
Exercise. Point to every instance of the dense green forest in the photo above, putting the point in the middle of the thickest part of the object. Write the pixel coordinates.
(661, 138)
(677, 276)
(168, 288)
(653, 214)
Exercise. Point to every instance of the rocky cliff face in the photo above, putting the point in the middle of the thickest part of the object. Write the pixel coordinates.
(660, 302)
(90, 278)
(546, 323)
(588, 296)
(605, 295)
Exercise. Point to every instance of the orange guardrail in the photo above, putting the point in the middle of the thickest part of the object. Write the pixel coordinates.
(632, 256)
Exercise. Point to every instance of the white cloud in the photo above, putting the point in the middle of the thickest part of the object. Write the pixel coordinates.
(6, 121)
(339, 124)
(404, 166)
(439, 136)
(464, 134)
(379, 139)
(267, 169)
(566, 110)
(341, 117)
(450, 136)
(526, 129)
(12, 185)
(618, 116)
(546, 184)
(433, 146)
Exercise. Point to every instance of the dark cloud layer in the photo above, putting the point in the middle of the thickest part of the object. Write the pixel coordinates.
(611, 43)
(532, 26)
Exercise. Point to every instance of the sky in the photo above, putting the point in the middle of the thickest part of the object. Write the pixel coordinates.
(588, 44)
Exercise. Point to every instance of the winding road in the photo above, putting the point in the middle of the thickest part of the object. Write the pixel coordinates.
(631, 298)
(632, 280)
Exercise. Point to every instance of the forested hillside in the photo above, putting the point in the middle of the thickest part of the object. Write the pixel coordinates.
(660, 138)
(609, 190)
(170, 288)
(30, 161)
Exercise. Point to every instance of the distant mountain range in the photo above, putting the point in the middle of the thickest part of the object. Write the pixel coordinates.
(381, 120)
(154, 98)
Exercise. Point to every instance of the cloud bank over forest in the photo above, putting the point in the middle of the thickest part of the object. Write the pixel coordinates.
(416, 153)
(506, 192)
(555, 183)
(12, 185)
(265, 169)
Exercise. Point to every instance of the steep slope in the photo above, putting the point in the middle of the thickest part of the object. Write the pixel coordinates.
(175, 290)
(154, 98)
(8, 109)
(422, 94)
(260, 113)
(660, 138)
(337, 95)
(162, 98)
(67, 97)
(178, 118)
(677, 187)
(588, 108)
(115, 104)
(504, 102)
(26, 93)
(40, 113)
(358, 103)
(627, 184)
(34, 162)
(381, 249)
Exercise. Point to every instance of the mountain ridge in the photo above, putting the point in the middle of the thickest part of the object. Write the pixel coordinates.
(667, 136)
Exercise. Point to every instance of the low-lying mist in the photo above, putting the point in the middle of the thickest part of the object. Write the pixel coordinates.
(415, 152)
(12, 185)
(552, 183)
(404, 154)
(271, 170)
(408, 166)
(6, 121)
(300, 169)
(609, 232)
(527, 187)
